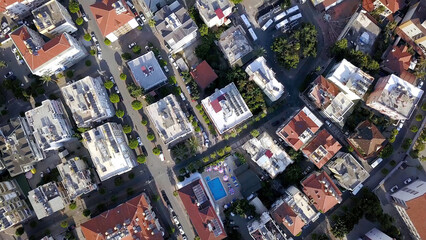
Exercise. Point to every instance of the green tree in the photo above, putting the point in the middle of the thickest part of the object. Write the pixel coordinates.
(420, 70)
(135, 91)
(144, 122)
(73, 6)
(236, 1)
(92, 52)
(46, 79)
(339, 48)
(88, 63)
(141, 159)
(69, 73)
(114, 98)
(127, 129)
(87, 37)
(64, 224)
(133, 143)
(119, 113)
(243, 208)
(107, 41)
(172, 80)
(414, 129)
(136, 49)
(387, 151)
(151, 22)
(137, 105)
(204, 30)
(108, 84)
(86, 212)
(73, 205)
(3, 64)
(254, 133)
(150, 137)
(19, 231)
(126, 56)
(156, 151)
(131, 175)
(419, 117)
(79, 21)
(339, 228)
(123, 76)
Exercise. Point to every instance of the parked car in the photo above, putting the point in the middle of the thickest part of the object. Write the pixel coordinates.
(111, 78)
(95, 40)
(328, 123)
(139, 141)
(175, 65)
(139, 20)
(161, 157)
(41, 174)
(83, 15)
(420, 85)
(147, 49)
(394, 188)
(131, 45)
(184, 237)
(98, 46)
(116, 89)
(175, 220)
(130, 4)
(9, 74)
(181, 229)
(99, 54)
(14, 50)
(159, 57)
(407, 181)
(48, 170)
(166, 69)
(142, 16)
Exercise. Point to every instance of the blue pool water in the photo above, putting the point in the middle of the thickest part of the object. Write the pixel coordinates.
(216, 188)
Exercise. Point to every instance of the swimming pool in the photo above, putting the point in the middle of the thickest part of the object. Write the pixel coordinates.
(216, 188)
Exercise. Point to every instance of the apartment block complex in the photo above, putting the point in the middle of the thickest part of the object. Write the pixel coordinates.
(46, 199)
(412, 28)
(214, 13)
(13, 208)
(235, 46)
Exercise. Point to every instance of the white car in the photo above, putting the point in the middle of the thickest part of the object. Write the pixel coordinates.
(116, 89)
(99, 55)
(14, 50)
(160, 57)
(139, 141)
(166, 69)
(147, 49)
(175, 220)
(111, 78)
(161, 157)
(132, 45)
(84, 17)
(420, 85)
(394, 188)
(407, 181)
(181, 229)
(175, 65)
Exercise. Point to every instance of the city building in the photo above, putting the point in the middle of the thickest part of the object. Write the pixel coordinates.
(265, 228)
(150, 7)
(348, 172)
(169, 120)
(147, 72)
(203, 74)
(376, 234)
(321, 148)
(13, 207)
(367, 140)
(113, 18)
(18, 148)
(134, 219)
(325, 4)
(109, 150)
(293, 211)
(267, 155)
(394, 97)
(17, 9)
(299, 129)
(88, 101)
(52, 19)
(176, 26)
(214, 13)
(350, 79)
(411, 204)
(264, 77)
(383, 8)
(412, 27)
(46, 200)
(47, 58)
(201, 211)
(76, 177)
(50, 125)
(401, 63)
(226, 108)
(321, 191)
(235, 46)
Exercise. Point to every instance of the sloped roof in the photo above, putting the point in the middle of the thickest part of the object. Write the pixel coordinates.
(203, 74)
(49, 50)
(323, 92)
(416, 209)
(316, 190)
(284, 213)
(107, 18)
(398, 60)
(5, 3)
(367, 140)
(393, 5)
(323, 140)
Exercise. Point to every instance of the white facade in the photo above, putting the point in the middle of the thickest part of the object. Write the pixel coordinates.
(264, 77)
(169, 120)
(88, 101)
(268, 155)
(109, 150)
(13, 209)
(46, 200)
(50, 125)
(19, 9)
(214, 13)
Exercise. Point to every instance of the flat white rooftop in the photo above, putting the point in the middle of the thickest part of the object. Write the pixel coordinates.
(226, 108)
(338, 107)
(234, 44)
(109, 150)
(146, 71)
(46, 200)
(169, 119)
(88, 101)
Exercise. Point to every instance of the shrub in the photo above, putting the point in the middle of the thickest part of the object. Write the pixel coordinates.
(156, 151)
(88, 63)
(136, 49)
(144, 122)
(87, 37)
(141, 159)
(419, 117)
(130, 191)
(127, 129)
(107, 42)
(392, 163)
(114, 98)
(172, 80)
(64, 224)
(213, 156)
(199, 107)
(180, 178)
(118, 181)
(163, 62)
(136, 105)
(387, 151)
(254, 133)
(73, 6)
(123, 76)
(139, 28)
(385, 171)
(119, 113)
(424, 107)
(108, 84)
(206, 159)
(126, 56)
(79, 21)
(151, 22)
(19, 231)
(175, 193)
(150, 137)
(73, 205)
(197, 129)
(86, 212)
(133, 143)
(414, 129)
(69, 74)
(156, 198)
(131, 175)
(92, 52)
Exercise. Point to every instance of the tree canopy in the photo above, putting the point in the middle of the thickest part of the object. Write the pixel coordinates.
(108, 84)
(114, 98)
(141, 159)
(119, 113)
(133, 143)
(73, 6)
(136, 105)
(127, 129)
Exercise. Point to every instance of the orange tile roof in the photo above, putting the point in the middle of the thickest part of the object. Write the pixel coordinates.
(201, 216)
(281, 212)
(203, 74)
(323, 92)
(132, 211)
(314, 188)
(398, 60)
(392, 5)
(328, 142)
(5, 3)
(367, 140)
(49, 50)
(297, 125)
(107, 18)
(416, 209)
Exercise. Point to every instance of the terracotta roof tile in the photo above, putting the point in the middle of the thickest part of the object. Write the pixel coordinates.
(367, 140)
(393, 5)
(416, 209)
(5, 3)
(132, 210)
(368, 5)
(284, 211)
(107, 18)
(201, 216)
(398, 61)
(203, 74)
(322, 148)
(314, 187)
(323, 92)
(50, 50)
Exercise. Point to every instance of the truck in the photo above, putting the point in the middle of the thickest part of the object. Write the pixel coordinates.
(281, 24)
(295, 17)
(267, 24)
(279, 16)
(292, 10)
(245, 20)
(252, 34)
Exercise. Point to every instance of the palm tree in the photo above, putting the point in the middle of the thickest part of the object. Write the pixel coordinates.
(3, 64)
(179, 151)
(260, 52)
(193, 145)
(46, 79)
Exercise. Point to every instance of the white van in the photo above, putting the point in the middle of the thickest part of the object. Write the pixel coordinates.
(377, 162)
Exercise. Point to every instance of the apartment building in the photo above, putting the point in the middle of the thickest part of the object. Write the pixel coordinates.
(146, 72)
(109, 150)
(176, 26)
(367, 140)
(17, 9)
(321, 148)
(265, 228)
(13, 207)
(52, 19)
(412, 27)
(394, 97)
(214, 13)
(88, 101)
(113, 17)
(47, 58)
(169, 120)
(235, 46)
(76, 177)
(50, 125)
(46, 200)
(267, 155)
(226, 108)
(19, 150)
(264, 77)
